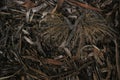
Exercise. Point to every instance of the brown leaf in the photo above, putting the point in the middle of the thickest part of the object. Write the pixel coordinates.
(98, 52)
(28, 4)
(94, 76)
(59, 4)
(57, 7)
(83, 5)
(53, 62)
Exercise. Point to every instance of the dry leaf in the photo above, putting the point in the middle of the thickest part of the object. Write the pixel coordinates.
(53, 62)
(38, 71)
(37, 8)
(83, 5)
(19, 2)
(107, 2)
(57, 7)
(28, 40)
(25, 32)
(28, 4)
(28, 15)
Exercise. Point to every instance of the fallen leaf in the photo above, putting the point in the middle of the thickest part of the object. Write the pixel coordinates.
(57, 7)
(28, 40)
(107, 2)
(83, 5)
(28, 4)
(53, 62)
(38, 71)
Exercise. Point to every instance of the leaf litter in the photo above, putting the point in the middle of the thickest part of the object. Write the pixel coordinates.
(59, 40)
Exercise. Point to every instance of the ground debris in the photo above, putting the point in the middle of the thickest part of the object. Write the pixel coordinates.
(64, 40)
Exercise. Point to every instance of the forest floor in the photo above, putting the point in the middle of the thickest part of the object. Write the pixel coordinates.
(59, 40)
